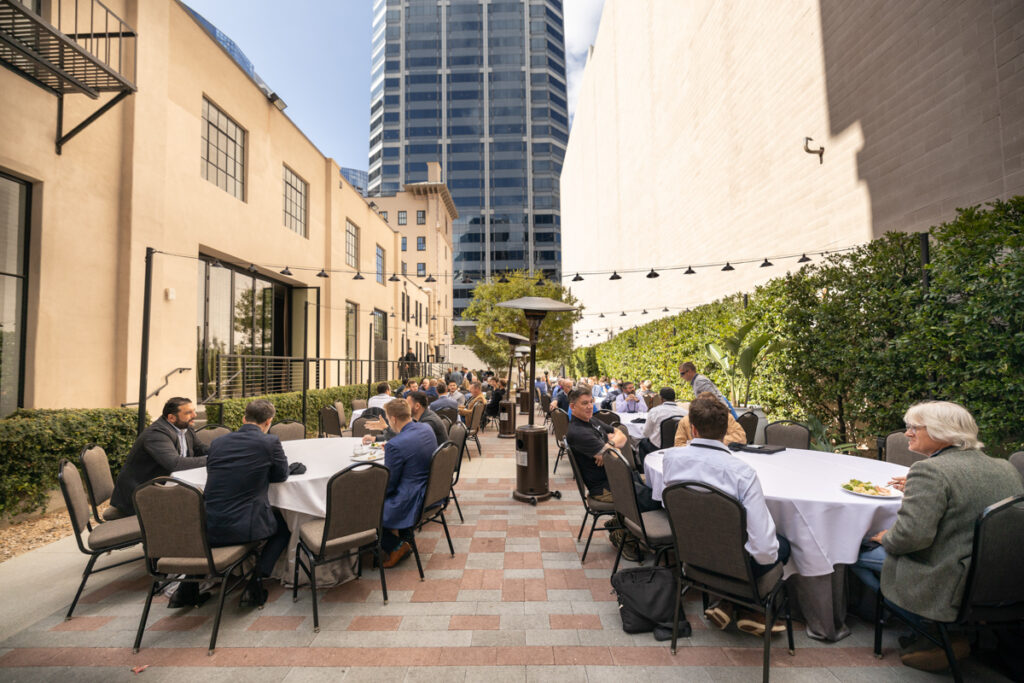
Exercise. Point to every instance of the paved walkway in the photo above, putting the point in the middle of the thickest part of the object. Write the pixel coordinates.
(514, 604)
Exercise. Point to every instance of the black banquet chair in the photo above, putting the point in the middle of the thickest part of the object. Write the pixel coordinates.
(651, 527)
(288, 430)
(788, 434)
(209, 433)
(330, 422)
(668, 431)
(99, 482)
(709, 528)
(994, 593)
(748, 421)
(592, 509)
(439, 486)
(896, 449)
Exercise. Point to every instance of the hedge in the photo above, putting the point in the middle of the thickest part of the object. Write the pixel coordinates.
(33, 442)
(289, 405)
(865, 337)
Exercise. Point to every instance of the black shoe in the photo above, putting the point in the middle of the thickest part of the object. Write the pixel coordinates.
(255, 595)
(187, 595)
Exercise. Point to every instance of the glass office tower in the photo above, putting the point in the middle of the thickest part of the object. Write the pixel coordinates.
(478, 85)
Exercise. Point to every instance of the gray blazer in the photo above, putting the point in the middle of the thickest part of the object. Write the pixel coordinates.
(929, 547)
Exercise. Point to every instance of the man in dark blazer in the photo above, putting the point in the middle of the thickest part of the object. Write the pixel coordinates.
(239, 470)
(167, 445)
(419, 406)
(407, 455)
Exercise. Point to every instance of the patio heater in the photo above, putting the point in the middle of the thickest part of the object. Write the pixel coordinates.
(531, 440)
(524, 400)
(507, 408)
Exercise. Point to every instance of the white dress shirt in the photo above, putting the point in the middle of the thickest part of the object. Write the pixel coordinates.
(379, 401)
(624, 406)
(710, 462)
(657, 415)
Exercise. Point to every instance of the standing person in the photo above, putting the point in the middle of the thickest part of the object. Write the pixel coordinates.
(167, 445)
(709, 461)
(655, 417)
(467, 375)
(628, 401)
(382, 398)
(407, 456)
(700, 384)
(239, 470)
(923, 556)
(408, 364)
(454, 376)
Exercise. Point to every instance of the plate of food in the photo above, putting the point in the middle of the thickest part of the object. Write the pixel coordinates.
(369, 457)
(869, 490)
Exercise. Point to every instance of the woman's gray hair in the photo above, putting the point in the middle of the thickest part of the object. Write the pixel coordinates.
(946, 421)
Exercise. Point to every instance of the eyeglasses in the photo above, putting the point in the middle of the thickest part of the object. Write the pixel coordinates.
(914, 428)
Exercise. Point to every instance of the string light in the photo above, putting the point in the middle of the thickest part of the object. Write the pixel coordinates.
(615, 276)
(577, 278)
(286, 271)
(728, 267)
(322, 273)
(651, 275)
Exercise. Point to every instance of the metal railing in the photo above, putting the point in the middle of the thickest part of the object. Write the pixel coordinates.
(100, 32)
(242, 376)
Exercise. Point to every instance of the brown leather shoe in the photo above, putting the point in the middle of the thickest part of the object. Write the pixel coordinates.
(934, 658)
(397, 554)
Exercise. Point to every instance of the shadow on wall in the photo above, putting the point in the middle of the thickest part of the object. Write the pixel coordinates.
(938, 90)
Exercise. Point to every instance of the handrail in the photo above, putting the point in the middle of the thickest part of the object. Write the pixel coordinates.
(160, 388)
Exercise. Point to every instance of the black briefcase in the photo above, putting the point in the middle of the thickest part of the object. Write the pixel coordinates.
(647, 601)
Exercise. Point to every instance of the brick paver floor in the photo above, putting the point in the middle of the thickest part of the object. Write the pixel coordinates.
(514, 604)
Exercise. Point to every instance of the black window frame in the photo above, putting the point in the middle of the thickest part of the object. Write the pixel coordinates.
(24, 277)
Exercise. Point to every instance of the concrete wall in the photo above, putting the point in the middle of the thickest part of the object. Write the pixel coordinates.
(687, 143)
(131, 181)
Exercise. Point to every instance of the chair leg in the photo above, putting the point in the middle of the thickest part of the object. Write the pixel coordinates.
(85, 577)
(220, 610)
(295, 580)
(457, 507)
(879, 607)
(312, 587)
(590, 536)
(769, 620)
(789, 622)
(679, 605)
(583, 525)
(947, 645)
(557, 458)
(416, 554)
(479, 450)
(379, 554)
(145, 615)
(618, 556)
(444, 524)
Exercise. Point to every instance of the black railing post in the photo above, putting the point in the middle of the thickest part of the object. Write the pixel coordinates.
(144, 361)
(305, 358)
(925, 259)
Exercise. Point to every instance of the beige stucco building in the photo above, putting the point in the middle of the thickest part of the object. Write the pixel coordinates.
(249, 219)
(687, 146)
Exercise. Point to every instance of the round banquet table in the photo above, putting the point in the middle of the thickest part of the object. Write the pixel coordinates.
(636, 431)
(302, 498)
(823, 523)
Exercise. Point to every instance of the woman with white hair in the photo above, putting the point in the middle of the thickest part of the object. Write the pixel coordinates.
(924, 557)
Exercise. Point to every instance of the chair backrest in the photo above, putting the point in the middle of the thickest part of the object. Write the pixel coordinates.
(560, 425)
(451, 413)
(475, 418)
(342, 418)
(788, 434)
(207, 434)
(748, 421)
(458, 434)
(710, 530)
(609, 417)
(442, 469)
(99, 482)
(545, 403)
(577, 477)
(359, 428)
(446, 422)
(994, 591)
(653, 400)
(289, 430)
(668, 431)
(1017, 460)
(172, 518)
(620, 481)
(359, 404)
(897, 449)
(330, 421)
(627, 451)
(75, 498)
(355, 502)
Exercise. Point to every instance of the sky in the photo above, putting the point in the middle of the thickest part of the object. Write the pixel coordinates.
(315, 54)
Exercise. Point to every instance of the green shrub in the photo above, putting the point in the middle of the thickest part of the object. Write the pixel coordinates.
(289, 405)
(33, 442)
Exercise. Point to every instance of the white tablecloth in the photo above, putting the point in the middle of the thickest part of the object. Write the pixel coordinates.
(824, 524)
(355, 414)
(635, 430)
(302, 497)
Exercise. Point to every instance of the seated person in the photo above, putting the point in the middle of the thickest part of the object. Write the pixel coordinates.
(382, 398)
(167, 445)
(560, 395)
(444, 399)
(456, 395)
(476, 395)
(497, 396)
(647, 392)
(239, 470)
(419, 406)
(707, 460)
(407, 455)
(923, 556)
(628, 401)
(588, 439)
(410, 386)
(427, 387)
(655, 416)
(734, 434)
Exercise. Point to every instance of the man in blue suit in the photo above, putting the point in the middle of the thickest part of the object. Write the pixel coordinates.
(239, 470)
(407, 456)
